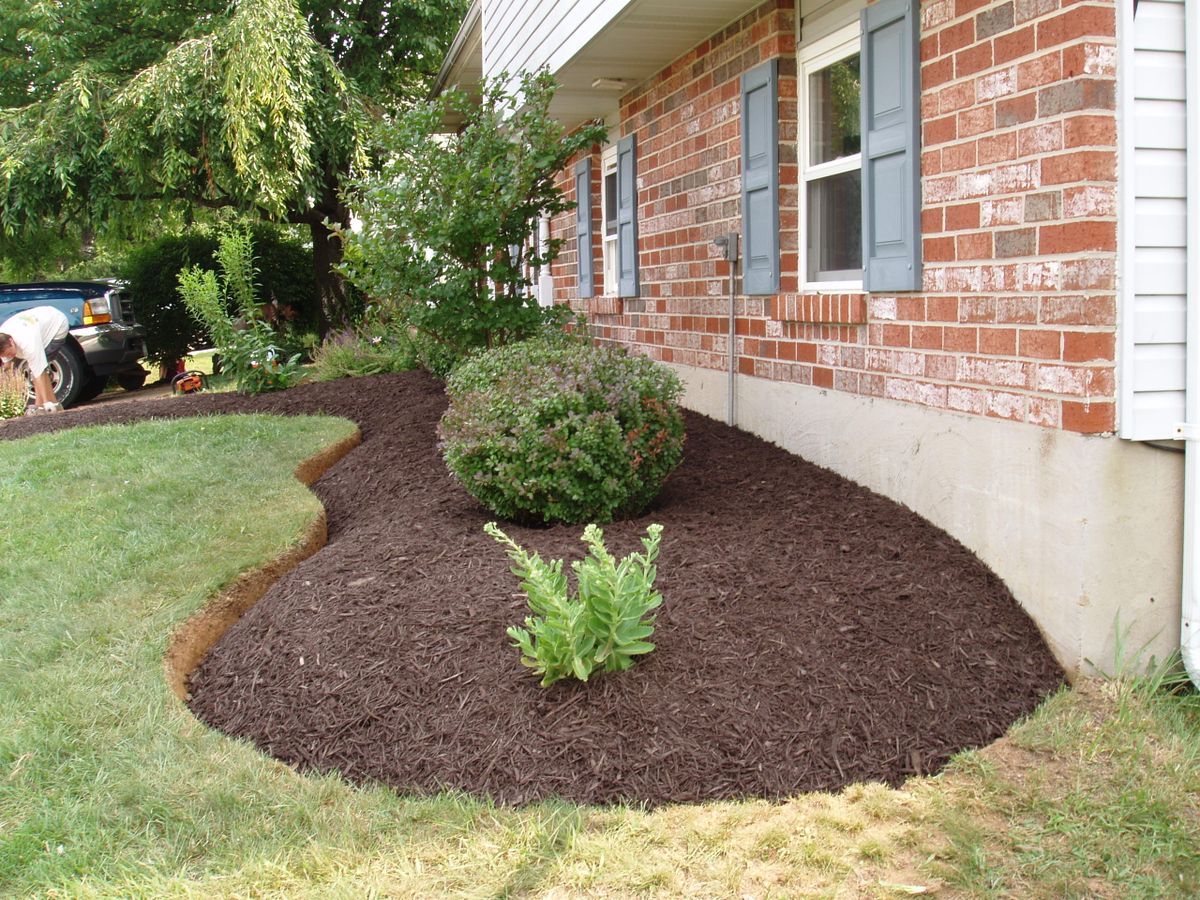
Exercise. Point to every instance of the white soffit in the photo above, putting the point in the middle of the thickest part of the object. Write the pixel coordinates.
(635, 43)
(463, 66)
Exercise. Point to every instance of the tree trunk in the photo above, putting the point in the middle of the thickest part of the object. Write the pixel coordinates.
(327, 253)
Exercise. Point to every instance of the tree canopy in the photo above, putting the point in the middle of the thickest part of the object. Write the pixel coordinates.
(112, 108)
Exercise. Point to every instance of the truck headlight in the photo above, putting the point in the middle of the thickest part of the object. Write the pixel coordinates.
(96, 311)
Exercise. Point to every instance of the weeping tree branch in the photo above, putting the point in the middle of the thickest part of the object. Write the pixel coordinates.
(257, 105)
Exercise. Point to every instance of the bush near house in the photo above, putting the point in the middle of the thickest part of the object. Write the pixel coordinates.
(554, 429)
(447, 222)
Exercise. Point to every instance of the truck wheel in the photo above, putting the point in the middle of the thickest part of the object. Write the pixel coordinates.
(67, 375)
(132, 379)
(92, 388)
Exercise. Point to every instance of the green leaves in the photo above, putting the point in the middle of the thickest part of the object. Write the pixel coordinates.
(447, 222)
(249, 348)
(555, 429)
(253, 111)
(112, 108)
(604, 626)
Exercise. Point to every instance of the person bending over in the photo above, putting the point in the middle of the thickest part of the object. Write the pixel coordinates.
(34, 335)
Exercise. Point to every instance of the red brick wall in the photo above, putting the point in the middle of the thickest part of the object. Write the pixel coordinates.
(1018, 311)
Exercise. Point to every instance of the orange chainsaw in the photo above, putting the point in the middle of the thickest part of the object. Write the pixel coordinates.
(189, 382)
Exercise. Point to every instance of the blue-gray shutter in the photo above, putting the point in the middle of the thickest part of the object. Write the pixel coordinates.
(760, 179)
(627, 248)
(583, 227)
(891, 146)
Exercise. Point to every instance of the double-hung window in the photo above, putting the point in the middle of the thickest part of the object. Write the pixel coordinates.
(608, 202)
(831, 161)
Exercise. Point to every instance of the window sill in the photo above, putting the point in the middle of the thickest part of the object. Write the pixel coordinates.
(606, 306)
(846, 308)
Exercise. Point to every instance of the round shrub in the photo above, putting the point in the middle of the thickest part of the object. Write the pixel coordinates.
(554, 429)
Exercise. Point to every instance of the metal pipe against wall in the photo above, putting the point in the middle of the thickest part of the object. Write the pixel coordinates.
(732, 338)
(729, 252)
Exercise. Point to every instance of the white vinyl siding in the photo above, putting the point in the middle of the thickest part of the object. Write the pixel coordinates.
(524, 35)
(1154, 248)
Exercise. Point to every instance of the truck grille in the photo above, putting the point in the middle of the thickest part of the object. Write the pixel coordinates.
(122, 305)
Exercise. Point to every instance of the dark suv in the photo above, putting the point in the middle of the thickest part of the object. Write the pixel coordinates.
(105, 340)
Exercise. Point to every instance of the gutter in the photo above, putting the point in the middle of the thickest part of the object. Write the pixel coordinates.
(1189, 432)
(471, 21)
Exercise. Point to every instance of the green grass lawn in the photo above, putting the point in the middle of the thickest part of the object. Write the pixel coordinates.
(109, 787)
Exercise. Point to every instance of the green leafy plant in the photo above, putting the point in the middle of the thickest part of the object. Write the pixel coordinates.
(556, 429)
(447, 222)
(602, 628)
(13, 392)
(251, 352)
(283, 274)
(348, 354)
(381, 342)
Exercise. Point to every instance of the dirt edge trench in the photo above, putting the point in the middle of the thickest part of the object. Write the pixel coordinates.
(195, 637)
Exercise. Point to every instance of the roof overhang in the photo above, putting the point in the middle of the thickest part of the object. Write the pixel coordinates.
(463, 66)
(601, 61)
(638, 42)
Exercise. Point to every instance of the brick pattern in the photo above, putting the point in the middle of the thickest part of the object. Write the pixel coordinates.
(1019, 209)
(688, 124)
(845, 309)
(606, 306)
(1018, 312)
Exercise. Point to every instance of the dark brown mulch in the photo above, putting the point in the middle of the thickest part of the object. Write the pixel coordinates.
(813, 633)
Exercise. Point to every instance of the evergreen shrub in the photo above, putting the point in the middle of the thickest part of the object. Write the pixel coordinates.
(284, 274)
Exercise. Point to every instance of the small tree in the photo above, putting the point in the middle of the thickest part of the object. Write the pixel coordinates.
(447, 224)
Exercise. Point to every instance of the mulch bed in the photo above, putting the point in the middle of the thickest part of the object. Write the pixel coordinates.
(813, 633)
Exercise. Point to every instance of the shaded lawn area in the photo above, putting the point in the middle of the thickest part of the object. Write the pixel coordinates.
(111, 788)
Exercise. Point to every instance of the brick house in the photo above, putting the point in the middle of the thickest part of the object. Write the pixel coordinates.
(963, 272)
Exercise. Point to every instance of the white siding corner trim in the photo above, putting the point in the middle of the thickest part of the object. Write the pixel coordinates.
(1154, 150)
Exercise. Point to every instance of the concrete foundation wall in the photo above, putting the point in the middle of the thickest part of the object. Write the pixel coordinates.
(1084, 530)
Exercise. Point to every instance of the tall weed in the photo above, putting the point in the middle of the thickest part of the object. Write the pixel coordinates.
(14, 392)
(250, 350)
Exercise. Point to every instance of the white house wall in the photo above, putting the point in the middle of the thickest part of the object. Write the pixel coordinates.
(1154, 247)
(622, 42)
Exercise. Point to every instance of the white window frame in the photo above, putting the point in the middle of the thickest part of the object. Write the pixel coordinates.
(843, 43)
(608, 166)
